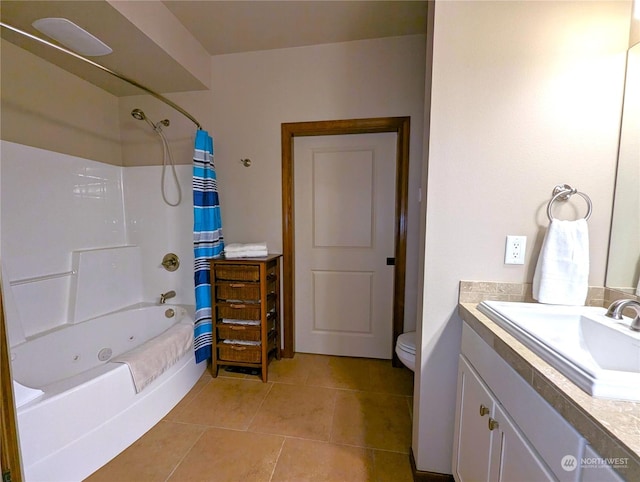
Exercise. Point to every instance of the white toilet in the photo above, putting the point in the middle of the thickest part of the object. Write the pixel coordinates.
(406, 349)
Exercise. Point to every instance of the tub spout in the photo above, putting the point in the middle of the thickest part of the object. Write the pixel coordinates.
(165, 296)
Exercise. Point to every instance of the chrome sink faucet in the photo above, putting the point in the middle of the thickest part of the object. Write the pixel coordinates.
(165, 296)
(616, 308)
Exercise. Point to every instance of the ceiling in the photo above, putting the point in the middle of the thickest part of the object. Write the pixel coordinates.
(220, 27)
(232, 27)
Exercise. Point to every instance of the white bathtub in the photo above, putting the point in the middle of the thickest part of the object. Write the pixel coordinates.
(89, 411)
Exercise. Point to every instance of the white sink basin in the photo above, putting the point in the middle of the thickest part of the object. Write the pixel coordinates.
(597, 353)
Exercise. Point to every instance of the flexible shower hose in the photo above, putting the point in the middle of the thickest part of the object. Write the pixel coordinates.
(167, 153)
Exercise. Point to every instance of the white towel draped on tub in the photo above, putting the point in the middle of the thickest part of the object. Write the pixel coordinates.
(562, 272)
(148, 361)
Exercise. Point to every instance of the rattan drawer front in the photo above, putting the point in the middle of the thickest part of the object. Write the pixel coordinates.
(239, 311)
(231, 331)
(240, 353)
(238, 291)
(238, 272)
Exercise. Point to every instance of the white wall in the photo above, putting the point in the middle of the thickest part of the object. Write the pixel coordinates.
(141, 146)
(47, 107)
(254, 93)
(525, 95)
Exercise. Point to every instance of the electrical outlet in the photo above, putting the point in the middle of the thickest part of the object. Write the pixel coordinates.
(514, 252)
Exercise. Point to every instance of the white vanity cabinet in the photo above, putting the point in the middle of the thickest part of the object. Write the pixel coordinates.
(506, 431)
(488, 445)
(474, 441)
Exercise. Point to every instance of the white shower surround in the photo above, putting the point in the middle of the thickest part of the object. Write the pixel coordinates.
(54, 205)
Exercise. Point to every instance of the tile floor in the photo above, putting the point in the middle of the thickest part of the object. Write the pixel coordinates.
(319, 418)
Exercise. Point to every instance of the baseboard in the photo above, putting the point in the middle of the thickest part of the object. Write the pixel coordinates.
(422, 476)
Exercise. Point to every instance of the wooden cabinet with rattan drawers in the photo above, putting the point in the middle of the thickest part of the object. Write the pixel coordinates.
(245, 297)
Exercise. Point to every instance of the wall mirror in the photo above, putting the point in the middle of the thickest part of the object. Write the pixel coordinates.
(623, 267)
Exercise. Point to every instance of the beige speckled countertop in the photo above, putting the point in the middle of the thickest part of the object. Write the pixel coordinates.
(611, 427)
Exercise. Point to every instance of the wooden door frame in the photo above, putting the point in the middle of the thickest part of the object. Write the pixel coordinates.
(399, 125)
(10, 459)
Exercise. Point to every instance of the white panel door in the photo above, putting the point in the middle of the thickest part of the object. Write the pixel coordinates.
(344, 233)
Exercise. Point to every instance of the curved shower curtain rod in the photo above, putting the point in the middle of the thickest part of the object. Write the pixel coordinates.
(109, 71)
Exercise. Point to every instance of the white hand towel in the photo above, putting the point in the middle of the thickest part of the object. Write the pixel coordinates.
(638, 289)
(562, 272)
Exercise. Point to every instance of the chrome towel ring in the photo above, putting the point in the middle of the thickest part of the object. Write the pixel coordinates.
(563, 192)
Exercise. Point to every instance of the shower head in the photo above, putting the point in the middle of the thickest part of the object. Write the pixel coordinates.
(138, 114)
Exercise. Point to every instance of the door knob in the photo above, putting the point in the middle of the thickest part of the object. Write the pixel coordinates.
(484, 410)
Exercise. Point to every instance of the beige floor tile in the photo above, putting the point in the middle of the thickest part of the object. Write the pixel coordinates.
(152, 457)
(391, 467)
(342, 372)
(295, 370)
(230, 456)
(369, 431)
(190, 396)
(312, 461)
(388, 379)
(225, 403)
(296, 411)
(374, 420)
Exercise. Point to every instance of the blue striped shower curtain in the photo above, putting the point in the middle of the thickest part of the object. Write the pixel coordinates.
(207, 239)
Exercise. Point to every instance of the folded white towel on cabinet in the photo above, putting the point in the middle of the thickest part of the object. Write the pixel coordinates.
(246, 254)
(562, 272)
(250, 250)
(235, 247)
